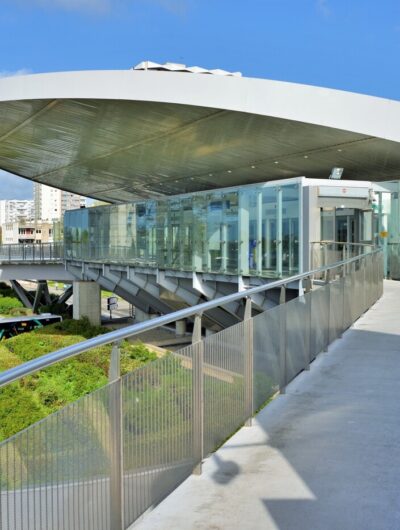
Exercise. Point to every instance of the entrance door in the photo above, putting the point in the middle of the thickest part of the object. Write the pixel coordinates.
(346, 226)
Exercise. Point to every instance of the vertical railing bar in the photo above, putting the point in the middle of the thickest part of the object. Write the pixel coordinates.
(106, 436)
(198, 392)
(75, 483)
(78, 480)
(139, 453)
(282, 340)
(28, 491)
(146, 452)
(140, 446)
(61, 490)
(46, 473)
(248, 361)
(92, 482)
(41, 482)
(328, 292)
(15, 485)
(86, 481)
(8, 509)
(308, 298)
(116, 425)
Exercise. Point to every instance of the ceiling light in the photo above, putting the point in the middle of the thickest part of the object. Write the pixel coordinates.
(336, 173)
(276, 162)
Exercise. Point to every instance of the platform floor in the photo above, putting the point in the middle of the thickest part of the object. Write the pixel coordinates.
(324, 456)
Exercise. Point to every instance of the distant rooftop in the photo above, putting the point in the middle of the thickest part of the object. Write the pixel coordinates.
(176, 67)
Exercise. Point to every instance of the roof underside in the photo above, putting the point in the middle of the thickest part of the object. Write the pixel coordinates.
(119, 151)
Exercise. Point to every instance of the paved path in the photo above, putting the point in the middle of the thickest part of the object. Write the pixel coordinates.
(325, 456)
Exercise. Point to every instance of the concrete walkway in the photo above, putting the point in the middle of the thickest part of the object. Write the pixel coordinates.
(324, 456)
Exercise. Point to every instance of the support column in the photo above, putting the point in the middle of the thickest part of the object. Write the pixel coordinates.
(87, 302)
(180, 328)
(141, 316)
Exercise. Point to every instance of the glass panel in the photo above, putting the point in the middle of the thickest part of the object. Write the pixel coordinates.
(214, 232)
(269, 234)
(229, 232)
(230, 228)
(327, 224)
(290, 228)
(174, 234)
(254, 205)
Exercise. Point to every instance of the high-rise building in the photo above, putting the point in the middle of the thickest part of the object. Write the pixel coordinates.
(51, 203)
(27, 232)
(12, 211)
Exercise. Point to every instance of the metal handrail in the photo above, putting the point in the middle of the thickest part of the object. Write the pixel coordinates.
(331, 242)
(30, 367)
(32, 252)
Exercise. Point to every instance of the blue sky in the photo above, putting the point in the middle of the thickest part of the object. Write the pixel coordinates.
(351, 45)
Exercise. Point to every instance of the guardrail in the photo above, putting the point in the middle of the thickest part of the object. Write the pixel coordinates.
(31, 252)
(101, 462)
(324, 253)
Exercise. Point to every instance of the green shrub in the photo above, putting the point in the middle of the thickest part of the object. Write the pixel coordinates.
(7, 303)
(75, 327)
(20, 311)
(51, 389)
(18, 410)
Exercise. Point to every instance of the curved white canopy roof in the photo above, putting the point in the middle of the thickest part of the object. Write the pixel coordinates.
(119, 135)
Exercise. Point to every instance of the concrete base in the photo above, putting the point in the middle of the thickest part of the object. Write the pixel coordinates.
(87, 301)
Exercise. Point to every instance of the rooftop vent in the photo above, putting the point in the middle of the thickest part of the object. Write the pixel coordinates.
(176, 67)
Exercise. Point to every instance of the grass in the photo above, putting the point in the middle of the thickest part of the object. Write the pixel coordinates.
(41, 394)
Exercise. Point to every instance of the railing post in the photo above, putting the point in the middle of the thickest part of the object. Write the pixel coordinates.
(344, 299)
(116, 441)
(328, 295)
(307, 291)
(325, 254)
(198, 395)
(364, 294)
(282, 339)
(248, 367)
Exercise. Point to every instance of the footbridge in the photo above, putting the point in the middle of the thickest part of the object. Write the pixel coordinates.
(325, 455)
(106, 460)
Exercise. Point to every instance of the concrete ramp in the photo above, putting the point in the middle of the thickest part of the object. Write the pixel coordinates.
(324, 456)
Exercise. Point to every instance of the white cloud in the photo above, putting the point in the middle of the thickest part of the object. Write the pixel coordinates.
(324, 8)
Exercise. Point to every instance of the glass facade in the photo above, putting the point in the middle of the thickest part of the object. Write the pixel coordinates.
(249, 230)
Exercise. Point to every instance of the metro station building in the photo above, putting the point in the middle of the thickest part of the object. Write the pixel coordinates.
(216, 182)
